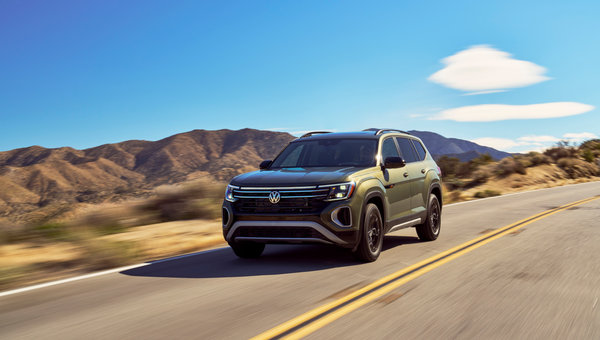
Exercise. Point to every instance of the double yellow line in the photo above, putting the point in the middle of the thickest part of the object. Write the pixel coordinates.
(311, 321)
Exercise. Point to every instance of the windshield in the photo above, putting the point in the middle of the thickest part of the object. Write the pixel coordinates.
(328, 153)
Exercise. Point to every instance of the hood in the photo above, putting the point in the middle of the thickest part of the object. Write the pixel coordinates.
(294, 177)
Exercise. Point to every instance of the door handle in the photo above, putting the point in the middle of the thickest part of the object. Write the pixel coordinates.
(406, 174)
(422, 171)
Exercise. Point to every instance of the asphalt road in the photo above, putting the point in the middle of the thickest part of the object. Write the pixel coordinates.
(539, 281)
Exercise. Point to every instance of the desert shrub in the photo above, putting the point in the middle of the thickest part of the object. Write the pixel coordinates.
(183, 202)
(482, 159)
(561, 150)
(452, 166)
(448, 165)
(453, 183)
(464, 169)
(486, 193)
(480, 176)
(536, 158)
(593, 144)
(588, 155)
(525, 161)
(576, 168)
(509, 165)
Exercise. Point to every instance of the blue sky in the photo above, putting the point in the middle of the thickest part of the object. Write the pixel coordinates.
(84, 73)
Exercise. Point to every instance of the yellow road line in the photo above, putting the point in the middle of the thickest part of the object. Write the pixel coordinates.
(310, 321)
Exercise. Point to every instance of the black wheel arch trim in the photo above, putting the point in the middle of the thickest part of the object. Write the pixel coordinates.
(368, 196)
(436, 185)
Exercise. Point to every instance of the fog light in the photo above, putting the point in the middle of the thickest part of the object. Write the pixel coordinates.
(225, 216)
(342, 216)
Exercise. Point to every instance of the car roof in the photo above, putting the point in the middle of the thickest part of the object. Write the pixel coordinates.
(353, 135)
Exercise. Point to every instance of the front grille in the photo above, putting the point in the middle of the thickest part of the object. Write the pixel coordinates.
(292, 201)
(277, 232)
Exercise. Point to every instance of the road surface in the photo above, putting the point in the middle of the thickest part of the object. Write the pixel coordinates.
(538, 279)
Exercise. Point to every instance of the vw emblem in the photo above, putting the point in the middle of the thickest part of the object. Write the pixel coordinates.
(274, 197)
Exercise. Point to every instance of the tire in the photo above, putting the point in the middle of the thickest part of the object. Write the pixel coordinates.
(247, 250)
(371, 239)
(430, 230)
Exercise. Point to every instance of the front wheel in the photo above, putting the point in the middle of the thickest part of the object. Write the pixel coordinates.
(430, 230)
(247, 250)
(371, 238)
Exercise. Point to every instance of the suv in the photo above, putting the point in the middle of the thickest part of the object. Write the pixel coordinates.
(346, 189)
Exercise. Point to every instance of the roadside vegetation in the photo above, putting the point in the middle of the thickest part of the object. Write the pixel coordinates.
(484, 177)
(176, 219)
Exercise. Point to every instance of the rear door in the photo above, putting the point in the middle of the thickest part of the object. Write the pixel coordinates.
(419, 201)
(413, 172)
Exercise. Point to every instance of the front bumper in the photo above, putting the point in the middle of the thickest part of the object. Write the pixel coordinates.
(319, 227)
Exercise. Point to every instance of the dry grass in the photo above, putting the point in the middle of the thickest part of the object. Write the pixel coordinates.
(29, 262)
(175, 220)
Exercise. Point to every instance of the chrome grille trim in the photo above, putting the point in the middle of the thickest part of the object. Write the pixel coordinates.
(258, 194)
(277, 188)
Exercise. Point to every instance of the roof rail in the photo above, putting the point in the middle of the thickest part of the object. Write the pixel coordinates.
(380, 131)
(313, 133)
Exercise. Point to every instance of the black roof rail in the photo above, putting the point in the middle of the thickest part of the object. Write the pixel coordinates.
(380, 131)
(313, 133)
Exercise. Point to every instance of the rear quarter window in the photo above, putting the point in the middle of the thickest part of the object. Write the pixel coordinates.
(420, 149)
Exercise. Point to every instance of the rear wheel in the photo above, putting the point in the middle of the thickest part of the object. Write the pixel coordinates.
(371, 239)
(247, 250)
(430, 230)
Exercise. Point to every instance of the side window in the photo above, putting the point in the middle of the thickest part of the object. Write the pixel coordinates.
(388, 149)
(420, 149)
(408, 151)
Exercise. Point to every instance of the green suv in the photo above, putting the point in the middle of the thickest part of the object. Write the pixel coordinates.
(346, 189)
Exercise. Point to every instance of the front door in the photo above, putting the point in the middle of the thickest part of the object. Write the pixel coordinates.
(397, 185)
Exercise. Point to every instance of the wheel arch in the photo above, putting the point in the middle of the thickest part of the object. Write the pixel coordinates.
(436, 189)
(376, 197)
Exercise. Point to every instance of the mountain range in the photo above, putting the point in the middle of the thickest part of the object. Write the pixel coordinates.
(37, 182)
(462, 149)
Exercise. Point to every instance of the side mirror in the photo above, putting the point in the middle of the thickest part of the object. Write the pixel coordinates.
(265, 164)
(394, 162)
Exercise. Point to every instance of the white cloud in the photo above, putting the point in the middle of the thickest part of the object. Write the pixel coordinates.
(483, 69)
(575, 137)
(536, 140)
(529, 143)
(495, 112)
(532, 149)
(496, 143)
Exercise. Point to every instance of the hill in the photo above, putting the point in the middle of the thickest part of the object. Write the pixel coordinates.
(46, 182)
(464, 150)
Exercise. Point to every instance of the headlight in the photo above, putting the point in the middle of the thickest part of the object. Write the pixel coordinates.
(229, 193)
(339, 191)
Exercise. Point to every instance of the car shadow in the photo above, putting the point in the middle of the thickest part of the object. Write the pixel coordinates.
(277, 259)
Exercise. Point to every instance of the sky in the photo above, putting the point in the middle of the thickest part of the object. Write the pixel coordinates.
(514, 75)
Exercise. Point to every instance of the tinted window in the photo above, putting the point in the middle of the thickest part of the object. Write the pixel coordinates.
(420, 149)
(407, 150)
(292, 158)
(388, 149)
(327, 153)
